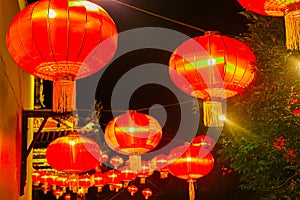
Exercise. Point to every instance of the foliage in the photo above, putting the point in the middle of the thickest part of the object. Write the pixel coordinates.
(261, 138)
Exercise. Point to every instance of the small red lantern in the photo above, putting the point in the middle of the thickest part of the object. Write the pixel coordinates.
(190, 163)
(62, 182)
(205, 141)
(99, 180)
(147, 193)
(58, 193)
(73, 154)
(133, 134)
(59, 40)
(132, 189)
(36, 178)
(127, 175)
(116, 161)
(84, 182)
(145, 171)
(279, 8)
(212, 67)
(161, 163)
(113, 178)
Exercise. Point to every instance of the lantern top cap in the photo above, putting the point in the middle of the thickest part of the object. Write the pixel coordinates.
(209, 33)
(292, 7)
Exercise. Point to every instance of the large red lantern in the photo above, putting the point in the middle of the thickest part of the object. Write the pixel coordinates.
(61, 41)
(190, 163)
(212, 67)
(73, 154)
(290, 10)
(133, 134)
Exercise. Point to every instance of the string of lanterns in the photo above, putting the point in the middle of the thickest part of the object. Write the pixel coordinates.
(190, 162)
(72, 39)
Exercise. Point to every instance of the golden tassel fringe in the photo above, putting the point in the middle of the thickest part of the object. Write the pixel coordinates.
(292, 30)
(191, 190)
(212, 110)
(64, 96)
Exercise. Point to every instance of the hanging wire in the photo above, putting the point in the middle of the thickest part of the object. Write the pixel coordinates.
(159, 16)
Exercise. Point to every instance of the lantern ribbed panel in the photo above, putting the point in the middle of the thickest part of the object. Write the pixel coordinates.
(60, 39)
(274, 8)
(73, 154)
(133, 133)
(279, 8)
(190, 163)
(212, 66)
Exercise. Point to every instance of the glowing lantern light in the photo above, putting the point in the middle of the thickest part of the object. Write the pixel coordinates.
(145, 171)
(147, 193)
(84, 182)
(36, 177)
(73, 154)
(161, 163)
(289, 9)
(193, 71)
(133, 134)
(113, 178)
(99, 180)
(62, 182)
(205, 141)
(132, 189)
(62, 41)
(190, 163)
(127, 175)
(58, 193)
(116, 161)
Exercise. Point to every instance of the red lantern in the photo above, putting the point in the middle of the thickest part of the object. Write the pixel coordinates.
(190, 163)
(132, 189)
(133, 134)
(279, 8)
(205, 141)
(36, 177)
(212, 67)
(116, 161)
(84, 182)
(147, 193)
(127, 175)
(59, 40)
(145, 171)
(57, 193)
(161, 163)
(73, 154)
(99, 180)
(113, 179)
(62, 182)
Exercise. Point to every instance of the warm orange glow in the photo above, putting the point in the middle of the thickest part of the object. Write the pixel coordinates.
(268, 7)
(73, 153)
(212, 66)
(62, 41)
(190, 164)
(133, 133)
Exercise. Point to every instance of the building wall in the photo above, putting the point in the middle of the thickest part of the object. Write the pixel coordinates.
(16, 92)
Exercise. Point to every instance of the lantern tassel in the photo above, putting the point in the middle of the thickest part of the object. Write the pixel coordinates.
(191, 190)
(64, 95)
(292, 28)
(212, 110)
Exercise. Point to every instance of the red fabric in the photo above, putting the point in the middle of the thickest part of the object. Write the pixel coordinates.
(268, 7)
(75, 40)
(73, 154)
(190, 163)
(212, 62)
(133, 133)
